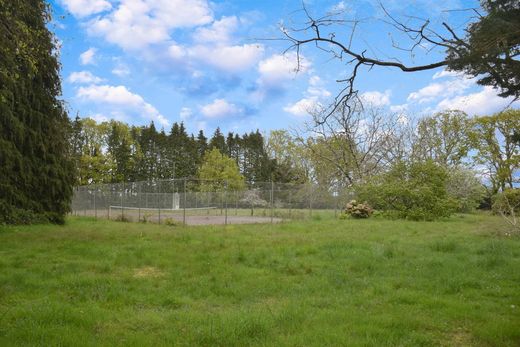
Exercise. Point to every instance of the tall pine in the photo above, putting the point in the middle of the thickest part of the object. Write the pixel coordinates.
(36, 172)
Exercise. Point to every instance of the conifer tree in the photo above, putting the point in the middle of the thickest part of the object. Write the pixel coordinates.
(36, 172)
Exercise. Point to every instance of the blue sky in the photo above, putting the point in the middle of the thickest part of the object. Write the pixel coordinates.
(205, 62)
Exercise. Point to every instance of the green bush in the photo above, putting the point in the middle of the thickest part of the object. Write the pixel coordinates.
(415, 191)
(507, 202)
(357, 209)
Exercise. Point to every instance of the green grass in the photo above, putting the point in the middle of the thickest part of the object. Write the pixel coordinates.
(322, 282)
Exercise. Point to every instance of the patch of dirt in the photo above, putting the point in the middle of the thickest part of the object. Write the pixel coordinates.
(460, 337)
(147, 272)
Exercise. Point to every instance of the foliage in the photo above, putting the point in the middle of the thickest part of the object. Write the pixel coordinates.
(507, 205)
(443, 138)
(491, 48)
(493, 137)
(415, 191)
(464, 186)
(219, 172)
(357, 209)
(36, 175)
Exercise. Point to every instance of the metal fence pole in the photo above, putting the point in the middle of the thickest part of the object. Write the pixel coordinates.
(158, 202)
(225, 194)
(184, 203)
(109, 202)
(236, 203)
(272, 201)
(122, 212)
(310, 199)
(95, 209)
(139, 202)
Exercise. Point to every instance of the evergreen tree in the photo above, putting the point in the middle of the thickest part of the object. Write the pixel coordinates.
(218, 141)
(36, 172)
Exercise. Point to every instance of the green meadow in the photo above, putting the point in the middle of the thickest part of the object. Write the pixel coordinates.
(321, 282)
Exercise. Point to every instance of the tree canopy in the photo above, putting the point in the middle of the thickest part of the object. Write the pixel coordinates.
(36, 174)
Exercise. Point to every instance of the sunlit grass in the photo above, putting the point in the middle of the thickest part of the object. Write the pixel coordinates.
(310, 283)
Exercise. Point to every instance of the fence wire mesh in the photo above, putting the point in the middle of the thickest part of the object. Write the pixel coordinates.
(194, 201)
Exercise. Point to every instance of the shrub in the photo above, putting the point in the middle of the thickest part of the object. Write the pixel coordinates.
(507, 205)
(415, 191)
(356, 209)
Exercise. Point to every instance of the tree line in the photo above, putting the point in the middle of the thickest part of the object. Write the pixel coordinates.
(111, 152)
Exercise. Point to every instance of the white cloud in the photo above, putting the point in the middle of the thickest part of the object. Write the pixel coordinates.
(311, 101)
(302, 107)
(219, 32)
(99, 118)
(220, 108)
(122, 99)
(446, 73)
(440, 89)
(121, 70)
(84, 77)
(136, 24)
(483, 102)
(88, 57)
(280, 68)
(228, 58)
(376, 98)
(185, 113)
(83, 8)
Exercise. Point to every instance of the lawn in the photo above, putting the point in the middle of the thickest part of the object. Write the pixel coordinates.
(321, 282)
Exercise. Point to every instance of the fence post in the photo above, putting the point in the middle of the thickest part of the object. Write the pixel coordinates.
(95, 208)
(139, 201)
(236, 203)
(184, 203)
(109, 202)
(225, 194)
(122, 212)
(272, 200)
(290, 202)
(336, 204)
(158, 194)
(310, 199)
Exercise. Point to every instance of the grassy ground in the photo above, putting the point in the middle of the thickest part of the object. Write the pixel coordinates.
(315, 283)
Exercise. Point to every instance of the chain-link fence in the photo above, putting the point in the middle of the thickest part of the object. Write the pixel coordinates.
(194, 201)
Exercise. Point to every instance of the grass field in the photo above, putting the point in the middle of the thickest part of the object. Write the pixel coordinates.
(322, 282)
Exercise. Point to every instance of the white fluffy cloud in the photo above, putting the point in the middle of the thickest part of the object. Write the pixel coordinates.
(302, 107)
(376, 98)
(220, 108)
(88, 57)
(220, 31)
(122, 100)
(311, 101)
(83, 8)
(135, 24)
(84, 77)
(483, 102)
(228, 58)
(185, 113)
(280, 68)
(435, 90)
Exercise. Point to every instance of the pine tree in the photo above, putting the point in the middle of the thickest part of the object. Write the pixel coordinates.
(218, 141)
(36, 170)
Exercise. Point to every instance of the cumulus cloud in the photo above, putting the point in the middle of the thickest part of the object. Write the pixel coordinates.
(228, 58)
(121, 100)
(84, 77)
(311, 101)
(220, 108)
(440, 89)
(376, 98)
(280, 68)
(483, 102)
(88, 57)
(302, 107)
(84, 8)
(135, 24)
(219, 31)
(185, 113)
